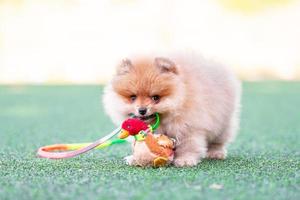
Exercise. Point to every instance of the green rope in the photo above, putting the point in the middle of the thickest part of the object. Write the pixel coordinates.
(117, 141)
(157, 122)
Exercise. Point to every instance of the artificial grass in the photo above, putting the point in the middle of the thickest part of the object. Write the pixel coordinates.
(263, 163)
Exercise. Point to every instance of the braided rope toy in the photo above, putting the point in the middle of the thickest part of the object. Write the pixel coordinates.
(141, 131)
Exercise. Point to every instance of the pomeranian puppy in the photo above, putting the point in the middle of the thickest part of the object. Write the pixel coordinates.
(198, 101)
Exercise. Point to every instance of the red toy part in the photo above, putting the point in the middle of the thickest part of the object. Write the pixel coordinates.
(132, 127)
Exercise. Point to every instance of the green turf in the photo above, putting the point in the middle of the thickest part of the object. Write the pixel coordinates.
(263, 163)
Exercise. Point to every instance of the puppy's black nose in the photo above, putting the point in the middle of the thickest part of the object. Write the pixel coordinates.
(142, 111)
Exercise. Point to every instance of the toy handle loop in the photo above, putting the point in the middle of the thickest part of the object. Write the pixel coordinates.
(45, 152)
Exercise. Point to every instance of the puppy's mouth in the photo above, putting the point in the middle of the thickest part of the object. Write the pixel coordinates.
(143, 118)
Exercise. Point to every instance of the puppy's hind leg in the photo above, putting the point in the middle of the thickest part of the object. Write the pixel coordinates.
(217, 148)
(216, 151)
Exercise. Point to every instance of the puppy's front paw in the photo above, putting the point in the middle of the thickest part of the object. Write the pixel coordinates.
(129, 160)
(185, 162)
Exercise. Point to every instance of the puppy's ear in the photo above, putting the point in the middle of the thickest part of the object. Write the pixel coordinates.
(165, 65)
(124, 67)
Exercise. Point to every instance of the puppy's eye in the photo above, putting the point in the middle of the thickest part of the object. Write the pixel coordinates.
(155, 98)
(133, 98)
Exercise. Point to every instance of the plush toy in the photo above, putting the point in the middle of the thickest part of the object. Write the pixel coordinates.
(148, 149)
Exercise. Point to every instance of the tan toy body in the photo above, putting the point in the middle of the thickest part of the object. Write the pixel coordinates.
(148, 149)
(155, 150)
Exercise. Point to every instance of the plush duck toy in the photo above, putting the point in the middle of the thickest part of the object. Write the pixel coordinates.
(148, 149)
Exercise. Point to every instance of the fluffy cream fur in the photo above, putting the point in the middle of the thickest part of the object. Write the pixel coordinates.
(199, 102)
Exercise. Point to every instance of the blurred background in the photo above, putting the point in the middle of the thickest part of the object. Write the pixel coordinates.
(80, 41)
